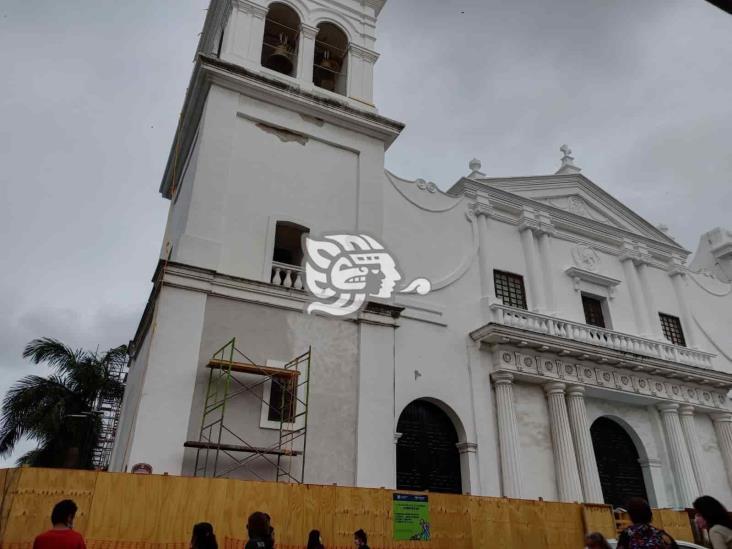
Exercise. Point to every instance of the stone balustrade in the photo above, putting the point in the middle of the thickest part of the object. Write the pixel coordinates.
(602, 337)
(287, 276)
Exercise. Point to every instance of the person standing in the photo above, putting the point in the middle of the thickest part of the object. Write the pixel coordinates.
(641, 534)
(360, 538)
(314, 541)
(258, 531)
(203, 537)
(62, 535)
(712, 516)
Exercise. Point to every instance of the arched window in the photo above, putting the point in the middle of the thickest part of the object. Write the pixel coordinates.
(281, 36)
(621, 476)
(287, 255)
(330, 71)
(427, 455)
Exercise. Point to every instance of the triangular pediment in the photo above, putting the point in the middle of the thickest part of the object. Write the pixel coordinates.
(576, 194)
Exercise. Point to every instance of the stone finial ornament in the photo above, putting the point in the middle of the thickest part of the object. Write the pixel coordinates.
(475, 166)
(568, 165)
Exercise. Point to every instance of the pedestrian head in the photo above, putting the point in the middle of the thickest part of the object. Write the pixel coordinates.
(314, 541)
(257, 526)
(596, 540)
(203, 537)
(360, 538)
(712, 512)
(63, 513)
(639, 511)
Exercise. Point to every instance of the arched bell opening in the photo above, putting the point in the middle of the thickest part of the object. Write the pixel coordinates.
(330, 69)
(618, 462)
(281, 37)
(427, 454)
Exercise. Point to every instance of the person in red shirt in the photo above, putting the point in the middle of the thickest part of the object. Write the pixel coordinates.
(62, 535)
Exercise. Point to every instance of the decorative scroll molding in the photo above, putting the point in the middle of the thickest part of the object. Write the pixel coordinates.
(397, 182)
(716, 293)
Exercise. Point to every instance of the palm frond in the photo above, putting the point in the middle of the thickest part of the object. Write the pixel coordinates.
(53, 352)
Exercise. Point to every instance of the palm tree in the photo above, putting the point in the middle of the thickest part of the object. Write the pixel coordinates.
(60, 412)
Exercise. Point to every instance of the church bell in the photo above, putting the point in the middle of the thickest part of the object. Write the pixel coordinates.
(281, 58)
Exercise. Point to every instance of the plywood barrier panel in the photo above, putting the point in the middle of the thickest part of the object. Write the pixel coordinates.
(38, 490)
(675, 523)
(599, 518)
(564, 524)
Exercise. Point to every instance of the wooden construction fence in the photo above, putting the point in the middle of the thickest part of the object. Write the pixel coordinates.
(127, 511)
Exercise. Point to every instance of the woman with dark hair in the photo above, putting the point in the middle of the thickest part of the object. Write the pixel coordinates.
(203, 537)
(596, 540)
(314, 541)
(713, 517)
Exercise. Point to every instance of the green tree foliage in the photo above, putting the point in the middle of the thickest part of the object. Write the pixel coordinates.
(60, 412)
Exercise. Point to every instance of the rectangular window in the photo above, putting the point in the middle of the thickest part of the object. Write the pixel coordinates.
(510, 289)
(671, 326)
(594, 315)
(282, 399)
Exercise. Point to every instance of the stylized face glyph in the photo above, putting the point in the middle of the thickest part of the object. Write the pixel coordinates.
(382, 273)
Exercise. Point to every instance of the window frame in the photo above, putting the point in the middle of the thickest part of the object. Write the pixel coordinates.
(264, 421)
(510, 276)
(602, 302)
(679, 325)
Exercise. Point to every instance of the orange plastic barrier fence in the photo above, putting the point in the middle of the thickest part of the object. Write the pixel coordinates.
(126, 511)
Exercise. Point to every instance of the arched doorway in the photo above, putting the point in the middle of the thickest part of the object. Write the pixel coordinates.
(427, 455)
(621, 476)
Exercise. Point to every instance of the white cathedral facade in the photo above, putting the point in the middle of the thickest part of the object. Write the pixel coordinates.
(568, 349)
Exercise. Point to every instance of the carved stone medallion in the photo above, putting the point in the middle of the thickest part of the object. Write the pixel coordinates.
(586, 258)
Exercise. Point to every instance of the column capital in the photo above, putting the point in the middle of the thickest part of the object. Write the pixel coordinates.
(722, 417)
(554, 388)
(247, 6)
(308, 31)
(467, 447)
(576, 391)
(367, 55)
(502, 378)
(686, 410)
(668, 408)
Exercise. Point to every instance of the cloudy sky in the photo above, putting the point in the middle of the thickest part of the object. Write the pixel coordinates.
(91, 91)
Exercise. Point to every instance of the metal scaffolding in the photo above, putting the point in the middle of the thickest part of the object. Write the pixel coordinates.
(224, 385)
(108, 410)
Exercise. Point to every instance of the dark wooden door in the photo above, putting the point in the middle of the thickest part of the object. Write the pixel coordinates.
(427, 455)
(621, 475)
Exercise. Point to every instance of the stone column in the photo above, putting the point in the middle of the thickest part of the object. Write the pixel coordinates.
(534, 274)
(565, 459)
(244, 34)
(636, 299)
(654, 322)
(686, 487)
(306, 52)
(688, 426)
(580, 426)
(678, 279)
(469, 467)
(508, 439)
(545, 252)
(723, 427)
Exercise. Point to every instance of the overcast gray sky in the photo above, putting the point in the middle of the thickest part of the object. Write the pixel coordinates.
(91, 90)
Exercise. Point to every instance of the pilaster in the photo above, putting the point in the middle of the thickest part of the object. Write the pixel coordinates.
(636, 297)
(589, 475)
(306, 55)
(678, 280)
(565, 459)
(546, 233)
(508, 439)
(688, 426)
(536, 291)
(686, 486)
(723, 428)
(469, 467)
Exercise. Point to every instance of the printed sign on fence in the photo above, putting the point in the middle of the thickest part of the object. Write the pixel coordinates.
(411, 515)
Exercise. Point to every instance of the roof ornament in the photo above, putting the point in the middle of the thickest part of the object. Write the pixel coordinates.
(474, 166)
(567, 162)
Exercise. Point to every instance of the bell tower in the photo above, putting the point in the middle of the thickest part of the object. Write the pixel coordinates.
(278, 126)
(325, 45)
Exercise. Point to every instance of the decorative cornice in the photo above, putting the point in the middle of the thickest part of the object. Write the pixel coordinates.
(579, 275)
(308, 31)
(367, 55)
(514, 362)
(247, 6)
